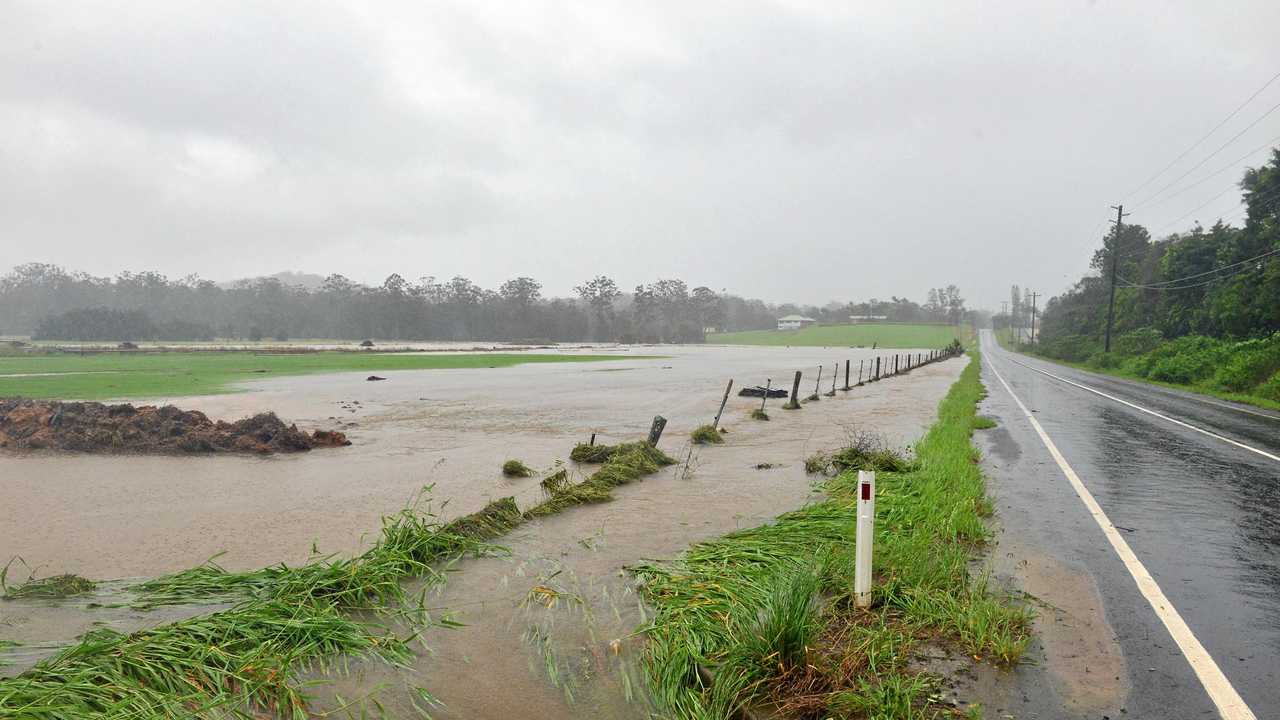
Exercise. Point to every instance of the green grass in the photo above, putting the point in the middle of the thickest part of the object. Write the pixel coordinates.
(764, 616)
(120, 375)
(886, 335)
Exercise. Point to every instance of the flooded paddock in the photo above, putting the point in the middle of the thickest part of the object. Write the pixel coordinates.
(548, 628)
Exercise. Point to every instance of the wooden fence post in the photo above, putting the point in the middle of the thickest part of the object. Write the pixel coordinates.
(655, 430)
(794, 404)
(716, 423)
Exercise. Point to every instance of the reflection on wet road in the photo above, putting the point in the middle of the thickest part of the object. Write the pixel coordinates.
(1199, 513)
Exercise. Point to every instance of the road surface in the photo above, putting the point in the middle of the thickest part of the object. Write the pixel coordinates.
(1146, 522)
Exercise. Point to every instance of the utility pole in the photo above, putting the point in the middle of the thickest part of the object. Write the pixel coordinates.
(1115, 259)
(1033, 316)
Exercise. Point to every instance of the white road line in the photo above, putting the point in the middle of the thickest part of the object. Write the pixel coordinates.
(1229, 703)
(1188, 426)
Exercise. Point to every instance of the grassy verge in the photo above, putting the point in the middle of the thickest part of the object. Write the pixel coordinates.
(123, 375)
(886, 335)
(763, 618)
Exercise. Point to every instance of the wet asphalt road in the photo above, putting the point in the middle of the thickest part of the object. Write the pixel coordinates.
(1201, 514)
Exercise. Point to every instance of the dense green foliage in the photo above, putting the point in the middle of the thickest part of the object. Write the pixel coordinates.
(1191, 283)
(1242, 369)
(168, 374)
(885, 335)
(765, 616)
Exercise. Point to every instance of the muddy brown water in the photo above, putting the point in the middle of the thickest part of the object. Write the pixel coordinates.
(543, 655)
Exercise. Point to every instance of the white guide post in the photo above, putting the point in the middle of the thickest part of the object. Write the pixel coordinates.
(864, 539)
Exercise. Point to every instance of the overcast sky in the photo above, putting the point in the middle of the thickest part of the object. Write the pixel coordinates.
(787, 150)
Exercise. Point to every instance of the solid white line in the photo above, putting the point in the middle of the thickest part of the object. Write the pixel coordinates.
(1188, 426)
(1229, 703)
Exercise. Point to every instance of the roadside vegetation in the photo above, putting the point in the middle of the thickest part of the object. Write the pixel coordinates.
(885, 335)
(112, 375)
(1198, 309)
(1242, 370)
(764, 618)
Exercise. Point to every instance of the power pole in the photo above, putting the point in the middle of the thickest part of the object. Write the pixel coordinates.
(1033, 316)
(1115, 259)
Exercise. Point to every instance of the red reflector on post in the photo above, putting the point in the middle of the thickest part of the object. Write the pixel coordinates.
(866, 491)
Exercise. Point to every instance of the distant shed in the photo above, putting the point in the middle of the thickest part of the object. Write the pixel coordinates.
(794, 322)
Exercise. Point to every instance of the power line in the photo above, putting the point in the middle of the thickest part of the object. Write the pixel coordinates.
(1219, 171)
(1206, 136)
(1266, 197)
(1166, 283)
(1206, 159)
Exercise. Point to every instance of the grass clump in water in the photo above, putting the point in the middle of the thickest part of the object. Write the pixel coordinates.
(759, 414)
(515, 468)
(50, 588)
(765, 617)
(588, 453)
(982, 422)
(494, 520)
(627, 463)
(706, 435)
(863, 451)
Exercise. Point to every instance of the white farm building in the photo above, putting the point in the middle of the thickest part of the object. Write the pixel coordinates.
(794, 322)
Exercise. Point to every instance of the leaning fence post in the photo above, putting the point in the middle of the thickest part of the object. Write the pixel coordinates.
(716, 423)
(655, 430)
(864, 538)
(817, 385)
(794, 404)
(835, 377)
(860, 362)
(768, 385)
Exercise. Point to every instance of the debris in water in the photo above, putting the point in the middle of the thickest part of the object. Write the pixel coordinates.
(58, 586)
(95, 427)
(515, 468)
(374, 378)
(759, 391)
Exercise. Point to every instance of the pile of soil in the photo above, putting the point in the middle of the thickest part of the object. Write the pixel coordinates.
(99, 428)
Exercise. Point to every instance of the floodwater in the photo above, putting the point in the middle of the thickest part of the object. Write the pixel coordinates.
(548, 654)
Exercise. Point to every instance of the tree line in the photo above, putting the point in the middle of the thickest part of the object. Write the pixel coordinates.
(1222, 282)
(49, 302)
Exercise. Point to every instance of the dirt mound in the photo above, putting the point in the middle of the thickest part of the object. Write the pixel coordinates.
(94, 427)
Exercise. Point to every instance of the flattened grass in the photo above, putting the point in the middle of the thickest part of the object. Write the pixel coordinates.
(245, 660)
(782, 593)
(57, 586)
(625, 463)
